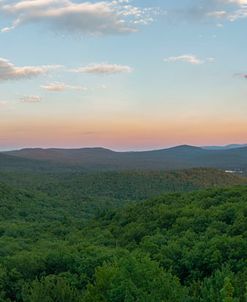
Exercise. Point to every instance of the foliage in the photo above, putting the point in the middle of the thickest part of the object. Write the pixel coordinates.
(188, 247)
(50, 288)
(134, 279)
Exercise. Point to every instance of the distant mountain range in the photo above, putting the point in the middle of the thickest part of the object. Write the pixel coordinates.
(227, 147)
(233, 158)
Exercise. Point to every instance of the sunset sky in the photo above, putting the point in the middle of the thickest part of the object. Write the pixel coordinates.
(123, 74)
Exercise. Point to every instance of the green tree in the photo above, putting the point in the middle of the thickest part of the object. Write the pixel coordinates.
(134, 278)
(227, 291)
(50, 289)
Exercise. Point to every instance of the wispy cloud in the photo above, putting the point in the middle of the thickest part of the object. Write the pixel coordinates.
(188, 58)
(8, 71)
(204, 10)
(103, 17)
(61, 87)
(217, 14)
(232, 10)
(103, 68)
(30, 99)
(241, 75)
(238, 2)
(3, 103)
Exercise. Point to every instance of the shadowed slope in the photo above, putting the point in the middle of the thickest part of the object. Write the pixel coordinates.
(181, 157)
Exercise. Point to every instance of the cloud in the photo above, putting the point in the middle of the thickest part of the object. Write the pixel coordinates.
(203, 10)
(102, 86)
(218, 14)
(30, 99)
(103, 17)
(191, 59)
(61, 87)
(229, 16)
(241, 75)
(233, 10)
(184, 58)
(3, 103)
(8, 71)
(238, 14)
(103, 68)
(238, 2)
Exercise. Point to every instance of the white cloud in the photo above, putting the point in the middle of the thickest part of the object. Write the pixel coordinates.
(103, 68)
(230, 16)
(102, 86)
(103, 17)
(60, 87)
(238, 14)
(238, 2)
(191, 59)
(8, 71)
(30, 99)
(230, 13)
(218, 14)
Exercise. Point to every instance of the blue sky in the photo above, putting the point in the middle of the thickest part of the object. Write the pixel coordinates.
(122, 74)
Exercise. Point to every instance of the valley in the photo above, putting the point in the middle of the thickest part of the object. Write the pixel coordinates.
(81, 235)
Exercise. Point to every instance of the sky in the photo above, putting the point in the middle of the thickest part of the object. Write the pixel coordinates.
(123, 74)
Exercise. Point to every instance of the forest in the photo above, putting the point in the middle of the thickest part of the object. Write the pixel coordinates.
(123, 236)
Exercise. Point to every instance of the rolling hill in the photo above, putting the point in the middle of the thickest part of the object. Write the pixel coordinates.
(180, 247)
(119, 186)
(181, 157)
(10, 163)
(226, 147)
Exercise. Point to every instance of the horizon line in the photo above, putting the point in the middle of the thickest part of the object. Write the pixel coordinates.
(121, 151)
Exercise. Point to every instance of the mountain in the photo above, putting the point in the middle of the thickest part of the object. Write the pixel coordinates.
(8, 162)
(227, 147)
(11, 163)
(180, 157)
(63, 155)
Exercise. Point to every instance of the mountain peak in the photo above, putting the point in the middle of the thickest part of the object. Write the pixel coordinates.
(185, 147)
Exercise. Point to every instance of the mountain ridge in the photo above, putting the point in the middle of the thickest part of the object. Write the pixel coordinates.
(179, 157)
(226, 147)
(98, 148)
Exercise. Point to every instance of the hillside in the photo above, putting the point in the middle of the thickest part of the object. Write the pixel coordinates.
(121, 186)
(201, 237)
(9, 163)
(31, 207)
(181, 247)
(181, 157)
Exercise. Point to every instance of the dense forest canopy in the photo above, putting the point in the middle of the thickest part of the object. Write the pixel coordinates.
(94, 237)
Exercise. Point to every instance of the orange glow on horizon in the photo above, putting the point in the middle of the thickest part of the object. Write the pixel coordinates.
(119, 134)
